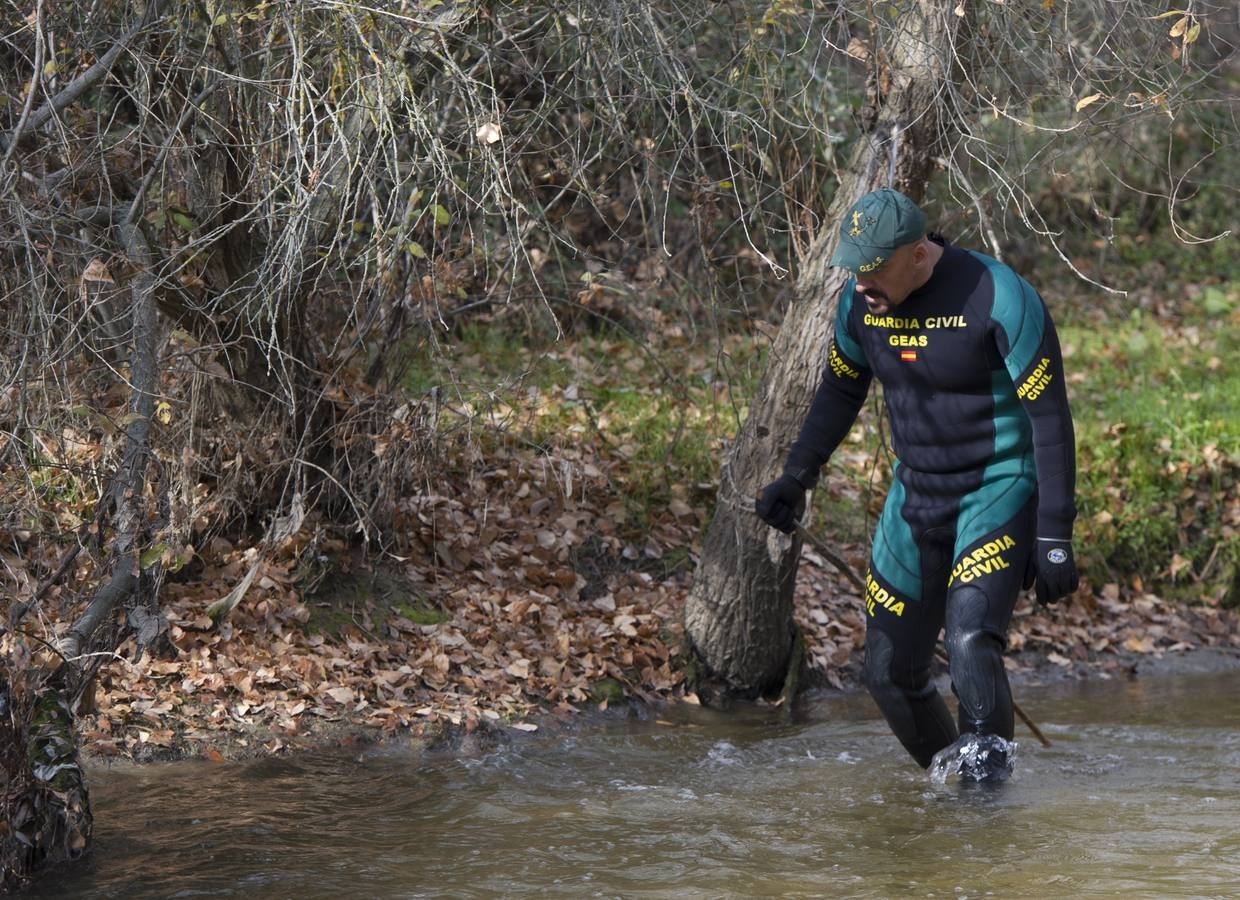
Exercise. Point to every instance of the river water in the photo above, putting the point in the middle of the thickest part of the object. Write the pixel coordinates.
(1138, 797)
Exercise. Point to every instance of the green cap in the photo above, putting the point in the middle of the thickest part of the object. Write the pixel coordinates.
(874, 227)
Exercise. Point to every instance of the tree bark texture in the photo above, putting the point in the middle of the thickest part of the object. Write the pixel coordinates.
(739, 612)
(47, 808)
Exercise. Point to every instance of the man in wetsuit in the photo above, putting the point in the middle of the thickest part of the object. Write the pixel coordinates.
(981, 500)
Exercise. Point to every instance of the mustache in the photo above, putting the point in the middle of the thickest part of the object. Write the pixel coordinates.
(876, 300)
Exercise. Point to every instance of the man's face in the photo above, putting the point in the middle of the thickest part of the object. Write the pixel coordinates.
(889, 286)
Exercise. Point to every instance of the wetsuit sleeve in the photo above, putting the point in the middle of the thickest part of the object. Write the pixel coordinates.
(845, 382)
(1026, 339)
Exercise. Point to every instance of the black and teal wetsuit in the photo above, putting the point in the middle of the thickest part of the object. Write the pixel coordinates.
(973, 382)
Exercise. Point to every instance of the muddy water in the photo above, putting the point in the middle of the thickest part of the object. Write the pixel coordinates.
(1140, 796)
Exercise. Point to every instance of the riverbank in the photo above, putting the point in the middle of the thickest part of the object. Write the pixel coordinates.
(356, 667)
(256, 740)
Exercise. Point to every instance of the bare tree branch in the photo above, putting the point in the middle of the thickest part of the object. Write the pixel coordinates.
(78, 86)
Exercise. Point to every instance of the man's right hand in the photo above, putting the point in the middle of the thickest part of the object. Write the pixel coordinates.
(781, 503)
(1056, 570)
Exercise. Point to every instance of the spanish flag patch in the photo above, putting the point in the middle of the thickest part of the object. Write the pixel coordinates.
(908, 355)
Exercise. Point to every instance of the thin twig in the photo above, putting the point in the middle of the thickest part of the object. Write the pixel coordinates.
(36, 77)
(139, 196)
(831, 557)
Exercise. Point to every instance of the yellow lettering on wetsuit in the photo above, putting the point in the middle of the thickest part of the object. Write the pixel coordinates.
(983, 560)
(876, 595)
(891, 321)
(912, 323)
(907, 340)
(946, 322)
(839, 365)
(1037, 381)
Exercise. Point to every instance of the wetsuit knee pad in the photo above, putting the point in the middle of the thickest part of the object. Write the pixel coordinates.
(881, 674)
(969, 615)
(975, 646)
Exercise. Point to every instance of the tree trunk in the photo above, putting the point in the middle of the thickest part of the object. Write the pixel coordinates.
(47, 809)
(739, 613)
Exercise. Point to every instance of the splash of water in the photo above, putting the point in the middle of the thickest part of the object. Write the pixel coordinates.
(975, 758)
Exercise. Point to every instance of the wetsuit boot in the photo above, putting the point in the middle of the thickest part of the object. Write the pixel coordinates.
(975, 641)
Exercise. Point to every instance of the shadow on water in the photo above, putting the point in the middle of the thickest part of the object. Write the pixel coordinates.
(1139, 796)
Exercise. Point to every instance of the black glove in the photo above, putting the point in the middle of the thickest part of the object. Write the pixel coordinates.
(781, 503)
(1056, 570)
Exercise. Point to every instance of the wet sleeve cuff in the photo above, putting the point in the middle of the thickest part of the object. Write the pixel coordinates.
(805, 476)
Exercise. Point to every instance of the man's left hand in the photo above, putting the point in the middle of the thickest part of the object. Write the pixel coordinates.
(1056, 570)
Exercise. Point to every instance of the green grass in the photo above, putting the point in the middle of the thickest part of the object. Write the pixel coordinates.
(1157, 414)
(422, 614)
(483, 360)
